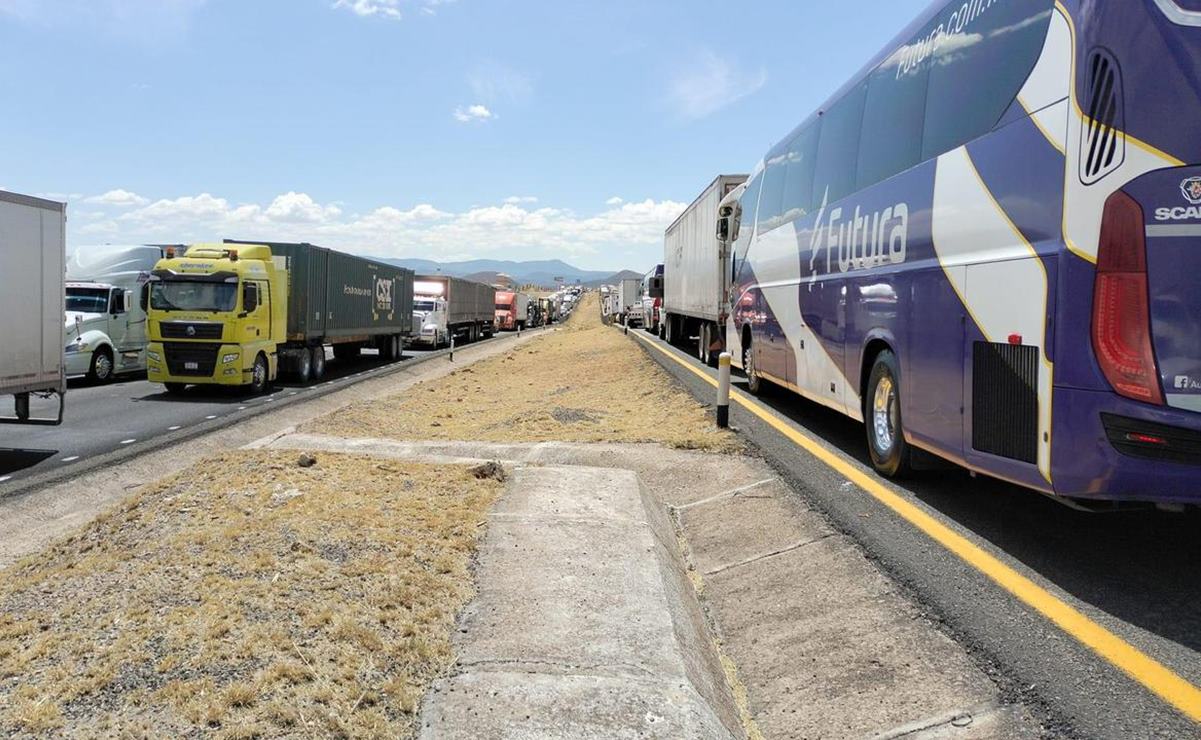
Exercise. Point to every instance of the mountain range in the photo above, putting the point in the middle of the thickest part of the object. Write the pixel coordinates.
(531, 272)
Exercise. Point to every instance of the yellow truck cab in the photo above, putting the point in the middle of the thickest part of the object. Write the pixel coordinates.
(217, 316)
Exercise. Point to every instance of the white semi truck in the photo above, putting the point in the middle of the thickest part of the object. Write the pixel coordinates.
(448, 307)
(33, 236)
(107, 290)
(697, 274)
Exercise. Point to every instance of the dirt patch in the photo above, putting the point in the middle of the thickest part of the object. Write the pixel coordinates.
(604, 389)
(247, 596)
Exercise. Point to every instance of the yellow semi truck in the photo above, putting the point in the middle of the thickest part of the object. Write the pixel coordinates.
(242, 313)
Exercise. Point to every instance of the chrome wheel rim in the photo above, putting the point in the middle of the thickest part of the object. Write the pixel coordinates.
(748, 363)
(884, 415)
(104, 366)
(260, 374)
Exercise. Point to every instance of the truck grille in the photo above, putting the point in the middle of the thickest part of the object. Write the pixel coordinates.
(191, 360)
(199, 329)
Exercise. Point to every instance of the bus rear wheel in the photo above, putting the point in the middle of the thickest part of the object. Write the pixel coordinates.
(885, 432)
(754, 384)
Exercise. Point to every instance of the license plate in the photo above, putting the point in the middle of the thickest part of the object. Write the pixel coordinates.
(191, 366)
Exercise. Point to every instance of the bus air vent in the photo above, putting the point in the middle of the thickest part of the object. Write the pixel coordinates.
(1005, 400)
(1103, 145)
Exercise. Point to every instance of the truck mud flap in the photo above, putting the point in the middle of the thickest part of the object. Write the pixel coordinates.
(22, 415)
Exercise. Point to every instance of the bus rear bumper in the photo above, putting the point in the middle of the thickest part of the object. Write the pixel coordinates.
(1110, 448)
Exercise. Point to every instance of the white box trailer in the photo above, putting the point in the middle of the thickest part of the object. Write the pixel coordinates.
(629, 300)
(696, 273)
(33, 237)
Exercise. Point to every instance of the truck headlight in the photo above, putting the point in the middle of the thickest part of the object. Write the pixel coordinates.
(151, 355)
(226, 359)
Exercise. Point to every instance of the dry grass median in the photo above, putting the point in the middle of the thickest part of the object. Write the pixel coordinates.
(582, 383)
(247, 597)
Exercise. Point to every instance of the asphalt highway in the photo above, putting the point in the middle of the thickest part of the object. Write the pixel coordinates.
(1130, 575)
(131, 412)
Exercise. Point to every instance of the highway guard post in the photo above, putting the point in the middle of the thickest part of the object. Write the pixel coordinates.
(723, 390)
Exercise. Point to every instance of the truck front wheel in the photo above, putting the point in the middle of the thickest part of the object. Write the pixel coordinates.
(101, 370)
(259, 376)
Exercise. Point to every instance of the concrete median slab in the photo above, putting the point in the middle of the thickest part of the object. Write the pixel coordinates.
(582, 627)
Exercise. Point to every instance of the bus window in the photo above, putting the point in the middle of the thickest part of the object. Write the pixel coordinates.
(976, 74)
(838, 148)
(892, 120)
(798, 182)
(772, 198)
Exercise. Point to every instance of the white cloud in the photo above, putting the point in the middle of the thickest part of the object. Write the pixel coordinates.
(614, 201)
(119, 198)
(299, 208)
(518, 229)
(390, 9)
(520, 199)
(710, 83)
(473, 114)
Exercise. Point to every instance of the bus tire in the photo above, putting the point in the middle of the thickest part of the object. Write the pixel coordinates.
(882, 418)
(260, 376)
(318, 362)
(754, 384)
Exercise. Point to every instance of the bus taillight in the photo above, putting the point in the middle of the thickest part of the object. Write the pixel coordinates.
(1121, 303)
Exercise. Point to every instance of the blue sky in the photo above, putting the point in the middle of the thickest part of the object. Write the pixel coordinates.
(445, 129)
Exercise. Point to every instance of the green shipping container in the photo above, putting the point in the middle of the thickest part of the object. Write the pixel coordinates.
(333, 295)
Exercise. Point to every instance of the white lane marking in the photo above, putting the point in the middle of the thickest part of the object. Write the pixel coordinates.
(174, 428)
(210, 417)
(4, 478)
(241, 408)
(293, 393)
(128, 441)
(72, 458)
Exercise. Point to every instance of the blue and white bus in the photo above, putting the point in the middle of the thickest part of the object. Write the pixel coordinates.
(987, 246)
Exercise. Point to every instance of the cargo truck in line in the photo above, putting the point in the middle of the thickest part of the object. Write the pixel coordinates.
(629, 301)
(32, 257)
(242, 313)
(697, 275)
(108, 291)
(445, 306)
(652, 299)
(512, 310)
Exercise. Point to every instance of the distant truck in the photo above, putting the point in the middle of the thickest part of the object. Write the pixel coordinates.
(652, 299)
(33, 237)
(550, 309)
(107, 292)
(445, 307)
(243, 313)
(697, 274)
(629, 301)
(512, 310)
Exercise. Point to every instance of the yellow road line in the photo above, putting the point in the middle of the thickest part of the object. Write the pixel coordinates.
(1152, 674)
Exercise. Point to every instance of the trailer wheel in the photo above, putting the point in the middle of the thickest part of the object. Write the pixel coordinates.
(397, 348)
(702, 343)
(669, 329)
(260, 376)
(304, 366)
(885, 432)
(318, 362)
(101, 370)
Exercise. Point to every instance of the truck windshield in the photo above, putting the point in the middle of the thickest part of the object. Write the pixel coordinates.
(504, 307)
(87, 300)
(180, 295)
(423, 305)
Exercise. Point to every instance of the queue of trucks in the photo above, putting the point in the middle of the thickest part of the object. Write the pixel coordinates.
(235, 313)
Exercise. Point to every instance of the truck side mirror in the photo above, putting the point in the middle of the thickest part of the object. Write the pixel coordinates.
(250, 297)
(723, 229)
